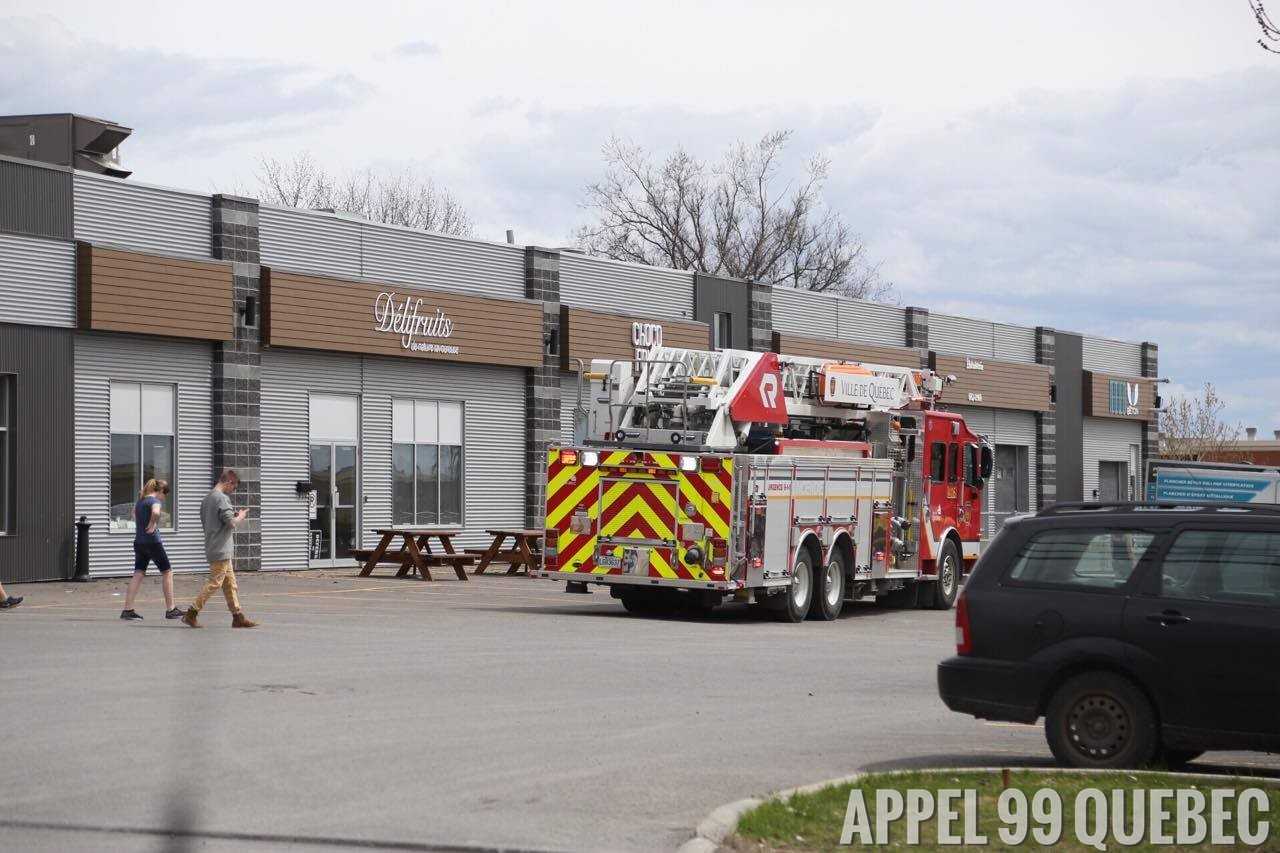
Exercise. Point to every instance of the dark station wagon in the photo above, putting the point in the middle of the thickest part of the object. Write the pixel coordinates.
(1142, 633)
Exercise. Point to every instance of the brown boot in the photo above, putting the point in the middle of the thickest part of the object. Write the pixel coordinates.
(189, 618)
(238, 620)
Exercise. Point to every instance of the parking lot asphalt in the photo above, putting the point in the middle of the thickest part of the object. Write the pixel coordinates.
(496, 713)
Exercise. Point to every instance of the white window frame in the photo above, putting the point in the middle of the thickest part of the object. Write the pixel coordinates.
(173, 481)
(414, 402)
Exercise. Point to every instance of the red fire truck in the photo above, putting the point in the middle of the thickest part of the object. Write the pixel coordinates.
(791, 483)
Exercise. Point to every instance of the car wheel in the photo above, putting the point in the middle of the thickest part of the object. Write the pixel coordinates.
(793, 606)
(1100, 719)
(828, 596)
(942, 592)
(1175, 759)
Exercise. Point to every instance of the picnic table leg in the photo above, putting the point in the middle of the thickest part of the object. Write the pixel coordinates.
(490, 553)
(415, 553)
(406, 564)
(526, 556)
(375, 556)
(448, 549)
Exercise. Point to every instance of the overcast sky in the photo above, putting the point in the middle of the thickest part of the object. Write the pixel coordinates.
(1111, 168)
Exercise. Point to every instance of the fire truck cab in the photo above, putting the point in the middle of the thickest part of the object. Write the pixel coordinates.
(796, 484)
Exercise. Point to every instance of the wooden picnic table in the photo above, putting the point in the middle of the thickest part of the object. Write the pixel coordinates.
(415, 554)
(523, 553)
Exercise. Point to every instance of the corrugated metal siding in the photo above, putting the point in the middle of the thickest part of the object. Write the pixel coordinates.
(37, 281)
(871, 322)
(961, 336)
(288, 378)
(139, 216)
(603, 285)
(1015, 343)
(101, 358)
(568, 401)
(493, 441)
(802, 312)
(44, 436)
(1110, 440)
(309, 242)
(493, 451)
(35, 199)
(1112, 357)
(442, 263)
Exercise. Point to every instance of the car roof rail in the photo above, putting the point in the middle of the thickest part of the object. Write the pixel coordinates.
(1066, 507)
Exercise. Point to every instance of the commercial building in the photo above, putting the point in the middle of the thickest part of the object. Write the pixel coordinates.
(360, 375)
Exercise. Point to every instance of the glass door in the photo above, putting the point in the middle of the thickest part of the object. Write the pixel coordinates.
(334, 517)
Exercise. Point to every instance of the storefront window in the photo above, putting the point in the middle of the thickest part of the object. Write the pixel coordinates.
(6, 454)
(142, 448)
(426, 462)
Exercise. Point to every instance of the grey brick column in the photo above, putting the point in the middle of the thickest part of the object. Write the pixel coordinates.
(917, 333)
(1046, 429)
(237, 371)
(761, 317)
(1151, 428)
(542, 384)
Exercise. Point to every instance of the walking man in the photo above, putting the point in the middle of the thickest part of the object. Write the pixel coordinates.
(219, 521)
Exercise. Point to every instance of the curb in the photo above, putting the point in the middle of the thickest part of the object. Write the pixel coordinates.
(713, 829)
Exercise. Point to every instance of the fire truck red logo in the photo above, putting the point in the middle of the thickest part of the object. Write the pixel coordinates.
(760, 399)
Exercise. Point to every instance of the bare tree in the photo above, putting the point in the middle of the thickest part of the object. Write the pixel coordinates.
(396, 198)
(1192, 427)
(736, 218)
(1270, 32)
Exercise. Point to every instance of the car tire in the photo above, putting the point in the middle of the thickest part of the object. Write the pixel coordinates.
(794, 605)
(1101, 720)
(941, 593)
(828, 592)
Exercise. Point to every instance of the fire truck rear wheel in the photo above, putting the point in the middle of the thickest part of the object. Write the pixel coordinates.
(794, 605)
(828, 593)
(941, 594)
(641, 602)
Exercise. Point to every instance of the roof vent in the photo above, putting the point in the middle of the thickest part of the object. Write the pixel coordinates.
(65, 139)
(1251, 433)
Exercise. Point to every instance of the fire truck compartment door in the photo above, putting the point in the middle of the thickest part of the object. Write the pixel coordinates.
(638, 526)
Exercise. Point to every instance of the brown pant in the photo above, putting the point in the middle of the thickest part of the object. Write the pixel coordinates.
(221, 574)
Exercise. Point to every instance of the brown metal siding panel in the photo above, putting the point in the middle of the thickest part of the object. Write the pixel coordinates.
(123, 291)
(1097, 396)
(314, 312)
(1001, 384)
(42, 547)
(599, 334)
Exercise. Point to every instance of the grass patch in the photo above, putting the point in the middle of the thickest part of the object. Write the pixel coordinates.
(815, 821)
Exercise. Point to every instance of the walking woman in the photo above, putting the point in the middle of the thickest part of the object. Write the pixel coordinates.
(147, 548)
(7, 601)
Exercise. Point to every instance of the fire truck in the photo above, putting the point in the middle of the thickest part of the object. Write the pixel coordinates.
(794, 484)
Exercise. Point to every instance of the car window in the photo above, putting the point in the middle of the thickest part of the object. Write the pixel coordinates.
(1083, 557)
(1220, 565)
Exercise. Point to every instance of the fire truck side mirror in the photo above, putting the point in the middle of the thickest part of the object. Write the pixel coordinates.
(987, 461)
(911, 448)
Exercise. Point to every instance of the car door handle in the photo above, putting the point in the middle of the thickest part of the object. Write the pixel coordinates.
(1168, 618)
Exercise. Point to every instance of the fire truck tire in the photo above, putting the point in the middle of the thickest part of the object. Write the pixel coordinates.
(828, 592)
(941, 594)
(793, 606)
(640, 603)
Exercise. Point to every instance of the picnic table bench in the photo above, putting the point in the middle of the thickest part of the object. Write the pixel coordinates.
(414, 555)
(524, 553)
